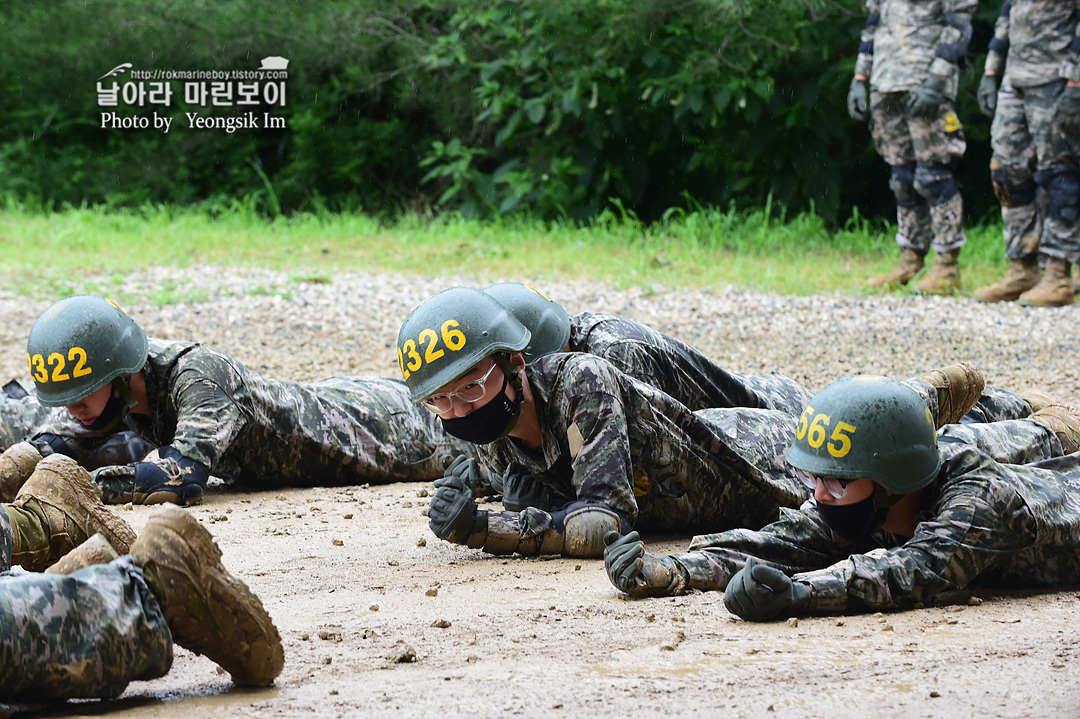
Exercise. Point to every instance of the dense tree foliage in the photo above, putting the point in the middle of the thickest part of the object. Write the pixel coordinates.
(556, 108)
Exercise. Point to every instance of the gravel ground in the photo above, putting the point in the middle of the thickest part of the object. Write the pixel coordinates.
(348, 325)
(379, 618)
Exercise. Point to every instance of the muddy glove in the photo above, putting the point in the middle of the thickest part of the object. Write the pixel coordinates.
(926, 101)
(1067, 110)
(452, 511)
(987, 94)
(524, 490)
(858, 100)
(468, 471)
(640, 574)
(760, 593)
(169, 478)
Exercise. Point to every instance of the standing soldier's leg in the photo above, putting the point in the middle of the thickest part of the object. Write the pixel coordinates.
(893, 142)
(1058, 175)
(84, 635)
(939, 143)
(1012, 174)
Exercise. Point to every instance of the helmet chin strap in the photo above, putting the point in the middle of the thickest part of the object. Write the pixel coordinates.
(121, 401)
(123, 388)
(514, 375)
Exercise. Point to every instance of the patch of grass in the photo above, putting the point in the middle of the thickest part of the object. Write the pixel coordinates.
(50, 255)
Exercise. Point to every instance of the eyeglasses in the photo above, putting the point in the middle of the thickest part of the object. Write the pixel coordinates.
(833, 485)
(470, 392)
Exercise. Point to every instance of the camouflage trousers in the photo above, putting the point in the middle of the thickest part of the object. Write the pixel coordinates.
(83, 635)
(780, 392)
(20, 418)
(1025, 141)
(931, 145)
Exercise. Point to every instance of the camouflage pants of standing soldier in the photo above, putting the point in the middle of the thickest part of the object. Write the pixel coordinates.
(921, 153)
(1029, 153)
(82, 635)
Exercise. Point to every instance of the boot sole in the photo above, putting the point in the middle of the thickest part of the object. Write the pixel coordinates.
(60, 481)
(244, 640)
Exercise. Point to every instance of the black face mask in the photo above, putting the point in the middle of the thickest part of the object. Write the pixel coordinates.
(488, 423)
(853, 522)
(114, 411)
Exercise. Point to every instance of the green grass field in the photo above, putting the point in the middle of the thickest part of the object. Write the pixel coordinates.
(89, 250)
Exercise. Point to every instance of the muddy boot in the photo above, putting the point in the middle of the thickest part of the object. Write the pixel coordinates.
(56, 510)
(1065, 423)
(1023, 274)
(959, 387)
(944, 276)
(1054, 289)
(208, 610)
(95, 550)
(16, 465)
(911, 263)
(1037, 400)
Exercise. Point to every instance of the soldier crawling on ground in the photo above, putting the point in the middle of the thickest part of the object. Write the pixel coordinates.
(611, 451)
(209, 414)
(899, 514)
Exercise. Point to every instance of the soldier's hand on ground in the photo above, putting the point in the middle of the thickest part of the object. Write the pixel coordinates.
(760, 593)
(524, 490)
(157, 481)
(43, 447)
(858, 100)
(926, 101)
(634, 571)
(1067, 110)
(452, 511)
(987, 95)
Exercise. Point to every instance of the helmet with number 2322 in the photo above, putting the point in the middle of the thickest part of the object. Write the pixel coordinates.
(868, 427)
(79, 345)
(449, 334)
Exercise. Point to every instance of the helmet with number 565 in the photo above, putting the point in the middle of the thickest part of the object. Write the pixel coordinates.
(868, 427)
(449, 334)
(79, 345)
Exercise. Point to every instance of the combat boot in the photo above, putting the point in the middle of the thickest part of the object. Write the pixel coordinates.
(944, 276)
(207, 609)
(911, 263)
(1054, 289)
(95, 550)
(959, 387)
(56, 510)
(1023, 274)
(1065, 423)
(1037, 400)
(16, 465)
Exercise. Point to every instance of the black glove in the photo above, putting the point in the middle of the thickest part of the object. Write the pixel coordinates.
(452, 512)
(468, 471)
(760, 593)
(1067, 110)
(42, 446)
(169, 478)
(524, 490)
(987, 94)
(926, 101)
(858, 100)
(640, 574)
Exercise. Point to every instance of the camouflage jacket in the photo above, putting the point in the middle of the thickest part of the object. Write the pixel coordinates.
(905, 41)
(612, 440)
(21, 418)
(264, 432)
(678, 369)
(1001, 525)
(1034, 42)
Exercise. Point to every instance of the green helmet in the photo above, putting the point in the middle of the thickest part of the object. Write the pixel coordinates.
(451, 333)
(545, 318)
(79, 345)
(868, 427)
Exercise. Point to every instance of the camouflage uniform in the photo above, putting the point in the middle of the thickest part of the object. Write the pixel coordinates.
(265, 433)
(1036, 37)
(678, 369)
(20, 418)
(986, 518)
(903, 43)
(614, 441)
(83, 635)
